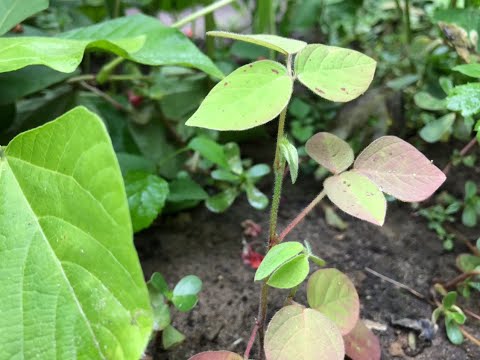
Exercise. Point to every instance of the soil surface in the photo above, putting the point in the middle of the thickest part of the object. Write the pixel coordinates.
(210, 245)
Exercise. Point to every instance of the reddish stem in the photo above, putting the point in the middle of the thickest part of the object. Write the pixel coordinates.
(246, 355)
(452, 283)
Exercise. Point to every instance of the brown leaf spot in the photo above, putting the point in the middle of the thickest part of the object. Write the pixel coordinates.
(275, 71)
(225, 83)
(319, 90)
(343, 89)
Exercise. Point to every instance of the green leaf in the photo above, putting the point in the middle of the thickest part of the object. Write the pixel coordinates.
(317, 260)
(258, 171)
(291, 273)
(299, 333)
(139, 38)
(17, 84)
(161, 310)
(158, 282)
(256, 198)
(465, 98)
(13, 12)
(289, 152)
(222, 201)
(130, 162)
(426, 101)
(250, 96)
(472, 70)
(362, 344)
(334, 73)
(449, 300)
(277, 256)
(332, 219)
(146, 194)
(171, 337)
(470, 190)
(469, 216)
(333, 294)
(467, 262)
(274, 42)
(457, 316)
(453, 332)
(210, 150)
(225, 175)
(185, 189)
(435, 130)
(330, 151)
(185, 293)
(67, 236)
(216, 355)
(355, 194)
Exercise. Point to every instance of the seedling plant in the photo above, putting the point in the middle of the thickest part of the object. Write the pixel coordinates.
(257, 93)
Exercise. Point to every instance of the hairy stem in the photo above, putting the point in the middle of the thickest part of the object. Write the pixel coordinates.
(262, 317)
(202, 12)
(300, 216)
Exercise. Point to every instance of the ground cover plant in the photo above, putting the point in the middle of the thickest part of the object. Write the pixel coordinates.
(114, 125)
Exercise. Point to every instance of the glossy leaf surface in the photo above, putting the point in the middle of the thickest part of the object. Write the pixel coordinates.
(274, 42)
(330, 151)
(290, 274)
(277, 256)
(69, 270)
(250, 96)
(333, 294)
(362, 344)
(355, 194)
(334, 73)
(399, 169)
(185, 293)
(297, 333)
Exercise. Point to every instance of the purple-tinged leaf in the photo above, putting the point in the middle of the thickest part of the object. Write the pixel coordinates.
(399, 169)
(297, 333)
(330, 151)
(216, 355)
(362, 344)
(355, 194)
(333, 294)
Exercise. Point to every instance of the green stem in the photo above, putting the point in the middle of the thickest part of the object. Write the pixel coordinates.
(91, 77)
(210, 41)
(453, 4)
(408, 25)
(202, 12)
(108, 68)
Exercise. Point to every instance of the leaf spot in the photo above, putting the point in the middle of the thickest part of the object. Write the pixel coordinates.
(275, 71)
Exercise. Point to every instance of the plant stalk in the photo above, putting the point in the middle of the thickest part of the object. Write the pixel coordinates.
(408, 25)
(300, 216)
(202, 12)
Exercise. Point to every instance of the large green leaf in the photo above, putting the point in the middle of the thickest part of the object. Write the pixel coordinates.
(250, 96)
(334, 73)
(139, 38)
(297, 333)
(333, 294)
(277, 43)
(465, 98)
(14, 11)
(68, 271)
(355, 194)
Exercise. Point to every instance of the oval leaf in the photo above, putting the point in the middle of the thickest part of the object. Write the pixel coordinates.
(250, 96)
(297, 333)
(210, 150)
(399, 169)
(289, 152)
(216, 355)
(290, 274)
(465, 98)
(435, 130)
(426, 101)
(255, 197)
(220, 202)
(357, 195)
(146, 194)
(274, 42)
(334, 73)
(362, 344)
(13, 12)
(69, 270)
(472, 70)
(277, 256)
(333, 294)
(330, 151)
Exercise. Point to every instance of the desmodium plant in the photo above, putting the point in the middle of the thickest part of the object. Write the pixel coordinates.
(257, 93)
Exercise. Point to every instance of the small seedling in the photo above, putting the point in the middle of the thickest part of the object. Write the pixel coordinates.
(183, 297)
(257, 93)
(454, 317)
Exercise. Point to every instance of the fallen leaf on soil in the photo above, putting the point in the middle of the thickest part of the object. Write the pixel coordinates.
(251, 257)
(251, 228)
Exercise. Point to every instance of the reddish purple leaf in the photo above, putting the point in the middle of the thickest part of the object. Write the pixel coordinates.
(216, 355)
(399, 169)
(362, 344)
(330, 151)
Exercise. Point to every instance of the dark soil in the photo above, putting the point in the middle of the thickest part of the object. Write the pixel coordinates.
(210, 245)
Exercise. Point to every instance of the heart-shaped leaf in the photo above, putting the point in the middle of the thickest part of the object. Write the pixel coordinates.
(399, 169)
(185, 293)
(297, 333)
(274, 42)
(334, 73)
(216, 355)
(362, 344)
(69, 270)
(333, 294)
(355, 194)
(289, 152)
(290, 274)
(250, 96)
(330, 151)
(277, 256)
(147, 194)
(13, 12)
